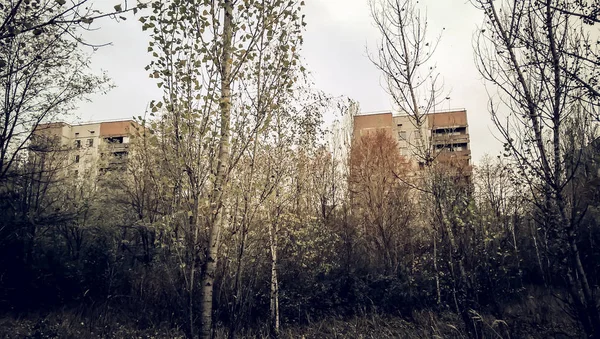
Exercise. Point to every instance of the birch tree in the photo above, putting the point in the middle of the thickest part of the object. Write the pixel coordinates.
(223, 64)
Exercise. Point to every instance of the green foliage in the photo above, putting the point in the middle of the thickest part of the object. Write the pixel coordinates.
(357, 249)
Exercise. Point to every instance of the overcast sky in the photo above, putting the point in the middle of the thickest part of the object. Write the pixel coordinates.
(336, 39)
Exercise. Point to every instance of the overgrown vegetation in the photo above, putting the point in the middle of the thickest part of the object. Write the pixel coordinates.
(234, 217)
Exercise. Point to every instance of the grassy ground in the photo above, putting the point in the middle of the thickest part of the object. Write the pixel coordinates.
(538, 314)
(68, 324)
(423, 324)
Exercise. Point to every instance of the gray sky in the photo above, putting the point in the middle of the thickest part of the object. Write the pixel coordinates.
(336, 39)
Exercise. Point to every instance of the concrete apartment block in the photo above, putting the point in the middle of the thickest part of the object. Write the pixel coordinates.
(90, 147)
(445, 133)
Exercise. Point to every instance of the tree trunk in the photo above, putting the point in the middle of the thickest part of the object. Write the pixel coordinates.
(274, 303)
(583, 285)
(215, 221)
(194, 230)
(437, 272)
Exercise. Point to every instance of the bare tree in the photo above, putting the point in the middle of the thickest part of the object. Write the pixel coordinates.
(404, 56)
(43, 70)
(43, 77)
(524, 51)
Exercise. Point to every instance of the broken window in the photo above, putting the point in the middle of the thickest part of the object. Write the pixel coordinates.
(114, 140)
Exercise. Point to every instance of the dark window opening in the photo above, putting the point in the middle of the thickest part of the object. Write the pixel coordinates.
(90, 142)
(78, 144)
(459, 147)
(450, 131)
(452, 147)
(77, 159)
(114, 140)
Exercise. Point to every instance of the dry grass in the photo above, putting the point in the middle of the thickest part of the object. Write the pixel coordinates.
(537, 316)
(70, 325)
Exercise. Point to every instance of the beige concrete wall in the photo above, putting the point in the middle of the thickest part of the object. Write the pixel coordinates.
(58, 131)
(408, 136)
(115, 128)
(369, 123)
(447, 119)
(88, 155)
(410, 141)
(85, 159)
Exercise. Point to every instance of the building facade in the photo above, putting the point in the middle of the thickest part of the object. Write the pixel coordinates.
(443, 137)
(88, 148)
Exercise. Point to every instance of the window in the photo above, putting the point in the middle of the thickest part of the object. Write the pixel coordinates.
(77, 159)
(90, 142)
(458, 147)
(76, 173)
(120, 155)
(402, 135)
(114, 140)
(78, 144)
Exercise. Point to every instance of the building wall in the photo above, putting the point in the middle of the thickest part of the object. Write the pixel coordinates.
(450, 137)
(372, 122)
(408, 136)
(87, 143)
(445, 132)
(59, 131)
(447, 119)
(86, 140)
(115, 128)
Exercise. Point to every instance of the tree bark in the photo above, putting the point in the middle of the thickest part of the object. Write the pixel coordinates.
(215, 221)
(437, 272)
(274, 302)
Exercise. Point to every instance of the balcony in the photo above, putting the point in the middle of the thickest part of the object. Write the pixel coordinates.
(114, 156)
(117, 147)
(447, 138)
(117, 160)
(447, 155)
